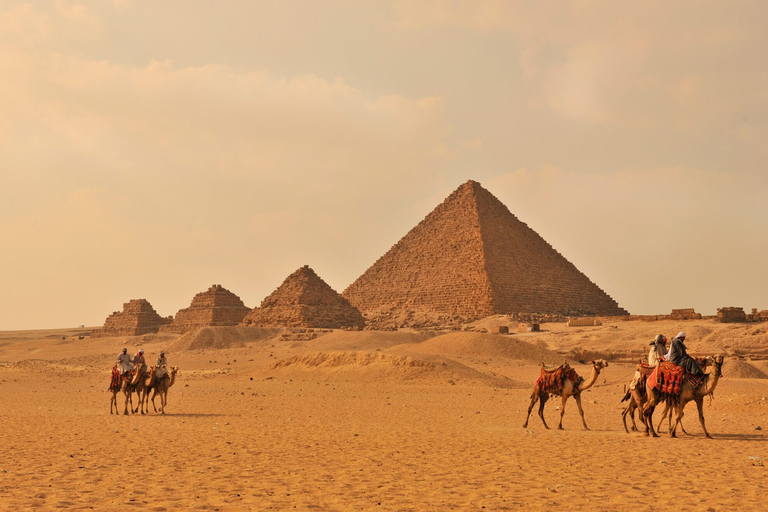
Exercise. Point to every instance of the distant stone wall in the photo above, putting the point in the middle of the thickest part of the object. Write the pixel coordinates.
(215, 307)
(582, 322)
(685, 314)
(137, 317)
(731, 314)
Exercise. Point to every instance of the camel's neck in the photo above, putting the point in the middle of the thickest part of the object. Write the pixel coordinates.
(173, 379)
(712, 383)
(591, 382)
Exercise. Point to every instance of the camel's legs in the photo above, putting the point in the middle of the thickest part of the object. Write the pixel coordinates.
(543, 400)
(562, 411)
(648, 414)
(629, 409)
(680, 414)
(534, 399)
(154, 394)
(581, 410)
(163, 401)
(700, 407)
(113, 401)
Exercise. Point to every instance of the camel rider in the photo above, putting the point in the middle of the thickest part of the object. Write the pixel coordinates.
(658, 349)
(161, 366)
(138, 360)
(679, 355)
(124, 362)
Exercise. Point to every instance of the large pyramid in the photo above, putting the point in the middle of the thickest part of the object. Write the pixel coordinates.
(215, 307)
(137, 317)
(471, 257)
(305, 300)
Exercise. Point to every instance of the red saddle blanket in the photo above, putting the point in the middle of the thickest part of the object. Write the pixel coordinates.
(115, 381)
(551, 381)
(667, 378)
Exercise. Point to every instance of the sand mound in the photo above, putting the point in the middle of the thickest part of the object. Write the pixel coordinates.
(737, 369)
(472, 344)
(368, 340)
(381, 367)
(223, 337)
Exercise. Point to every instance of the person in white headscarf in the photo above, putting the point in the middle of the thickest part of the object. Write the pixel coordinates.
(138, 360)
(658, 347)
(678, 355)
(161, 366)
(124, 363)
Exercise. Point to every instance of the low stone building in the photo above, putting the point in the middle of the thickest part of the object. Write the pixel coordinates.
(305, 300)
(685, 314)
(137, 317)
(731, 314)
(215, 307)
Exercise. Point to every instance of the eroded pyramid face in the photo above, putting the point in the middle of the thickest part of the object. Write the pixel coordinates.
(473, 258)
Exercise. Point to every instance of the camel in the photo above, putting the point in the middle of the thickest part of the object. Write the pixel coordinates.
(127, 384)
(573, 386)
(142, 389)
(114, 388)
(637, 398)
(161, 388)
(687, 394)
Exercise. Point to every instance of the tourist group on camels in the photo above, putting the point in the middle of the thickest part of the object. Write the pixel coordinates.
(131, 375)
(669, 376)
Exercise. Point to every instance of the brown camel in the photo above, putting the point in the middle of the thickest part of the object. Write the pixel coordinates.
(687, 393)
(573, 385)
(128, 382)
(114, 388)
(161, 388)
(143, 387)
(637, 398)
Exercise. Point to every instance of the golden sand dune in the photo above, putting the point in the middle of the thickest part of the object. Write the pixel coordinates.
(206, 338)
(378, 366)
(478, 345)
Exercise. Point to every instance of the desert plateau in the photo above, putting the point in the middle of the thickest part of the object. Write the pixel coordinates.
(266, 419)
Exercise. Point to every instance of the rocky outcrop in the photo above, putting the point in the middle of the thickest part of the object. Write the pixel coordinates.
(472, 258)
(215, 307)
(305, 300)
(137, 317)
(731, 314)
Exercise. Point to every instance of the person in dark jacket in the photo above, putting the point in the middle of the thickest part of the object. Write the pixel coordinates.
(679, 355)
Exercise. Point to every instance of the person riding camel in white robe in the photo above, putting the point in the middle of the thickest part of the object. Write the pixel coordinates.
(124, 364)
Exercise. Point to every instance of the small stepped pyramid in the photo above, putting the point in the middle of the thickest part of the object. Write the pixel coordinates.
(305, 300)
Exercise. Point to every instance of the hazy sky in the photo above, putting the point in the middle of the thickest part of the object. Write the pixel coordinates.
(151, 149)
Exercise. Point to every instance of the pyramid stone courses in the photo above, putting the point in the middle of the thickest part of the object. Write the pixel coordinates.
(305, 300)
(473, 258)
(215, 307)
(137, 317)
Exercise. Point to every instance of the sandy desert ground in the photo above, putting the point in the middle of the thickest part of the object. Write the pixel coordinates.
(373, 421)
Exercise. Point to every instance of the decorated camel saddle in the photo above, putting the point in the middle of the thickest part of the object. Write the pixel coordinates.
(552, 379)
(668, 378)
(114, 382)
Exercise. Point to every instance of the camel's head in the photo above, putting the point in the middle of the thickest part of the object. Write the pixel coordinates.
(599, 364)
(717, 362)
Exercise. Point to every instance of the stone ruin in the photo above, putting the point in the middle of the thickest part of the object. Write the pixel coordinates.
(731, 314)
(137, 317)
(758, 316)
(215, 307)
(685, 314)
(472, 258)
(305, 300)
